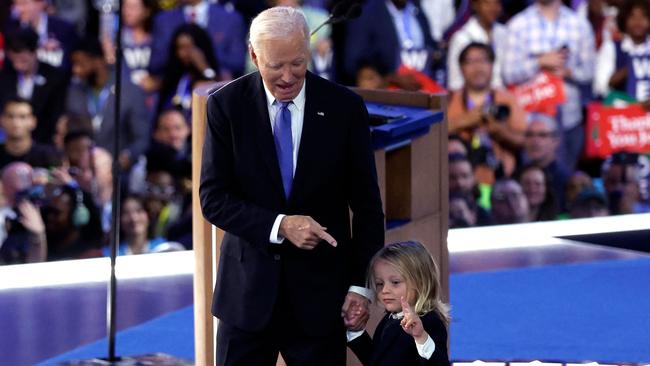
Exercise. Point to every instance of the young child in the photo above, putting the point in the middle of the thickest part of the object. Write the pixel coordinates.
(414, 329)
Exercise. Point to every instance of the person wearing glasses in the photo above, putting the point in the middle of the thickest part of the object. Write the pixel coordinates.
(541, 142)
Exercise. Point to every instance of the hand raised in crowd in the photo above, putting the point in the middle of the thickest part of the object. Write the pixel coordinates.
(304, 232)
(30, 217)
(553, 61)
(198, 59)
(412, 324)
(355, 312)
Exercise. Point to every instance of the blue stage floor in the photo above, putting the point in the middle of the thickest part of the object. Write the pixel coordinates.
(568, 301)
(572, 312)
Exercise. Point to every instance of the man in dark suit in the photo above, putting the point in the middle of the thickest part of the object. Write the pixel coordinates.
(43, 85)
(224, 25)
(286, 157)
(57, 37)
(390, 34)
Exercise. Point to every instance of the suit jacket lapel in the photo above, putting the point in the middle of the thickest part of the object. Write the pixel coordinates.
(262, 126)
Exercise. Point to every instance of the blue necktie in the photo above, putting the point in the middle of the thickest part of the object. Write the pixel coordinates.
(284, 145)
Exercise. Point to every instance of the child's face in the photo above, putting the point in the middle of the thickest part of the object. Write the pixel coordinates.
(390, 286)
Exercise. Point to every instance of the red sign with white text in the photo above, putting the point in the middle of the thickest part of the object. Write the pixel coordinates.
(543, 94)
(611, 129)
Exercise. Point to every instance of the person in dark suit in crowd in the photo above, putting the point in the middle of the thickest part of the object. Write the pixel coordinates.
(414, 329)
(381, 41)
(287, 155)
(57, 38)
(224, 25)
(92, 95)
(43, 85)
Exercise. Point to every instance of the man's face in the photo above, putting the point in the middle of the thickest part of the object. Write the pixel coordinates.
(283, 65)
(24, 61)
(461, 177)
(172, 130)
(509, 205)
(477, 69)
(83, 66)
(540, 142)
(78, 152)
(18, 120)
(29, 10)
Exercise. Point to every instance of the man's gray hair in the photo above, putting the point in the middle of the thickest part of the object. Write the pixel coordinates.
(277, 23)
(544, 118)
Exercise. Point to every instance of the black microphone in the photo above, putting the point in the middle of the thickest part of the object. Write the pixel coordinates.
(342, 11)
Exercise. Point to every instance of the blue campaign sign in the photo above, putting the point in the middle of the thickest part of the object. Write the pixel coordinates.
(395, 125)
(638, 77)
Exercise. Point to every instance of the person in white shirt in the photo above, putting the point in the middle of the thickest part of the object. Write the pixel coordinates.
(481, 27)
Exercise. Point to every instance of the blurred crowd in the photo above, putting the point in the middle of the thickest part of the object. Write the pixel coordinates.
(508, 163)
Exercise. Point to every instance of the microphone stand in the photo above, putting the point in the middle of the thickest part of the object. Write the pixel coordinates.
(115, 211)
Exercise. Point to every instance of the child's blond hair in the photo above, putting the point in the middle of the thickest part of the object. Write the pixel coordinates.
(413, 262)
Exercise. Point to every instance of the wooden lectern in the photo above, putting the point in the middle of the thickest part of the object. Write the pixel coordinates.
(413, 181)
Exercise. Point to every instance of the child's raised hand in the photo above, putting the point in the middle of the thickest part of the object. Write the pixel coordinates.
(412, 324)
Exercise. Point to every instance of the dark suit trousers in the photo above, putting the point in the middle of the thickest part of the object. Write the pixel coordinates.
(239, 347)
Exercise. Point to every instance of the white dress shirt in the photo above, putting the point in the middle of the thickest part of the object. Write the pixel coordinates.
(472, 31)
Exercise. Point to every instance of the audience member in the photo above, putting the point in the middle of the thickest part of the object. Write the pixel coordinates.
(18, 122)
(490, 121)
(550, 37)
(539, 194)
(137, 44)
(509, 204)
(540, 148)
(482, 27)
(589, 203)
(224, 25)
(463, 183)
(43, 85)
(601, 14)
(134, 229)
(620, 174)
(57, 38)
(92, 95)
(190, 61)
(578, 181)
(615, 68)
(161, 199)
(76, 12)
(25, 240)
(387, 36)
(72, 225)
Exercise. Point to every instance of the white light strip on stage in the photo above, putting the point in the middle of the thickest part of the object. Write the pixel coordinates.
(540, 233)
(60, 273)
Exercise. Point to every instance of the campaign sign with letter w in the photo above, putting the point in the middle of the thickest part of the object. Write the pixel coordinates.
(638, 76)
